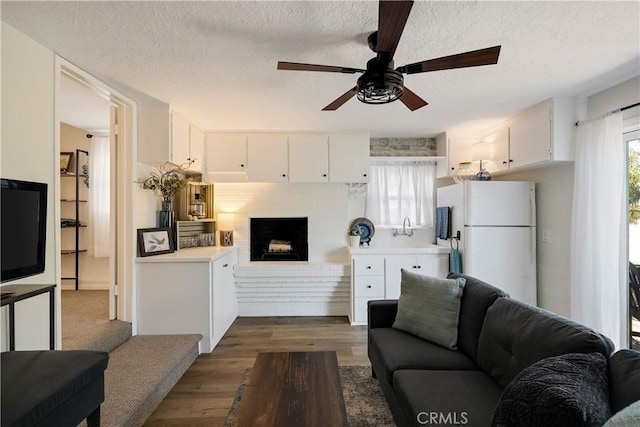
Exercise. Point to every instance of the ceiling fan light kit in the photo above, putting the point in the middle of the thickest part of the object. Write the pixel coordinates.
(380, 83)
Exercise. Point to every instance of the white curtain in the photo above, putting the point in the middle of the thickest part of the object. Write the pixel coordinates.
(597, 236)
(401, 189)
(99, 193)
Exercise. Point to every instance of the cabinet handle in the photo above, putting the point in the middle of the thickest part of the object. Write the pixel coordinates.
(368, 286)
(241, 165)
(504, 162)
(510, 160)
(415, 266)
(225, 265)
(419, 266)
(364, 174)
(453, 169)
(368, 267)
(324, 175)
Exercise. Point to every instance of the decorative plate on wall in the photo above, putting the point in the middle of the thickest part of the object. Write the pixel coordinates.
(366, 227)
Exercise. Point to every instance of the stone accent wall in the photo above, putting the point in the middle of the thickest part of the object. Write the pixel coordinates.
(402, 147)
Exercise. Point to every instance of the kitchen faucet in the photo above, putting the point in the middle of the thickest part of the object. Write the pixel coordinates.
(404, 231)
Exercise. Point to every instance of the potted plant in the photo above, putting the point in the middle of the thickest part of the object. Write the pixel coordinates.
(354, 236)
(167, 179)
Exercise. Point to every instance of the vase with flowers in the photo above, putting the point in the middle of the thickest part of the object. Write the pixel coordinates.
(167, 179)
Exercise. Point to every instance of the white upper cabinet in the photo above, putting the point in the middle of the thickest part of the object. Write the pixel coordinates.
(543, 133)
(349, 158)
(459, 152)
(164, 136)
(180, 135)
(268, 157)
(308, 158)
(226, 152)
(499, 151)
(196, 148)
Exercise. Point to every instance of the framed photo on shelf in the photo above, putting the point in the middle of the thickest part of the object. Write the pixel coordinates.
(65, 161)
(155, 241)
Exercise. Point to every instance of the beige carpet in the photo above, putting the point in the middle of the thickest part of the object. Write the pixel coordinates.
(363, 398)
(86, 324)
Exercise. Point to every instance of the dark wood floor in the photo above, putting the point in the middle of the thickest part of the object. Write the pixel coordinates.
(204, 395)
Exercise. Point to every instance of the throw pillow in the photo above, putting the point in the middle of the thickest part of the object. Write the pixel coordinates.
(563, 391)
(628, 417)
(429, 308)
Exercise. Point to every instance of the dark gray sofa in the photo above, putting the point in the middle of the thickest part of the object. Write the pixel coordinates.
(497, 338)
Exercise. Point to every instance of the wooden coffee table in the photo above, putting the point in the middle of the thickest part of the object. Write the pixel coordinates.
(293, 389)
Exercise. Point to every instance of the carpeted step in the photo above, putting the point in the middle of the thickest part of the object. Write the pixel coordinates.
(104, 335)
(141, 373)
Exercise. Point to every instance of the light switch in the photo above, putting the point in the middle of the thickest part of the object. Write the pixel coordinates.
(546, 236)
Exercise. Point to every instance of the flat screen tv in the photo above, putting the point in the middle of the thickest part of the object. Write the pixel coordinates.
(23, 214)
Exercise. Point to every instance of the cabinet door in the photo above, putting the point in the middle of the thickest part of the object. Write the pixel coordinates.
(308, 158)
(530, 137)
(179, 140)
(349, 158)
(393, 265)
(499, 141)
(434, 265)
(225, 305)
(226, 152)
(268, 158)
(459, 151)
(196, 148)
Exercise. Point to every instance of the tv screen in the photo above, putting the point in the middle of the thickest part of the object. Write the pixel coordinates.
(23, 214)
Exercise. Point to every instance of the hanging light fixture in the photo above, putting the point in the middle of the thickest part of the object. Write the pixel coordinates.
(380, 84)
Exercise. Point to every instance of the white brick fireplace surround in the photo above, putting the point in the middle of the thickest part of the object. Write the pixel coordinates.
(319, 287)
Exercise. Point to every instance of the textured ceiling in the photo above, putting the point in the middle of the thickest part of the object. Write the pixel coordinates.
(215, 62)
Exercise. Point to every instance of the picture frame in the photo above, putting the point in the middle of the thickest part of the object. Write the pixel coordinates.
(155, 241)
(65, 161)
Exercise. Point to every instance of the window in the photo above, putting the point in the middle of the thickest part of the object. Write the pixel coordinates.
(399, 189)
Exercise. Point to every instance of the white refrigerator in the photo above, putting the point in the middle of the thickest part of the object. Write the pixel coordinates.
(496, 224)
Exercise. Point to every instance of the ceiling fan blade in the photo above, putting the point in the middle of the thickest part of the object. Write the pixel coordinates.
(392, 17)
(411, 100)
(475, 58)
(296, 66)
(341, 100)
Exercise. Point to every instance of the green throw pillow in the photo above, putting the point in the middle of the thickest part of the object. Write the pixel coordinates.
(429, 308)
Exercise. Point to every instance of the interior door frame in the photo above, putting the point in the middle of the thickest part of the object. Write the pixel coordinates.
(122, 304)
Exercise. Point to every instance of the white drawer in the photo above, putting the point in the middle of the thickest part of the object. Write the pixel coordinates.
(370, 265)
(369, 286)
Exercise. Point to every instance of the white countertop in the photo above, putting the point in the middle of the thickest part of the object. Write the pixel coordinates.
(430, 249)
(204, 254)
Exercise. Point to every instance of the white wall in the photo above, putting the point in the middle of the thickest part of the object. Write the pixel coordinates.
(28, 151)
(554, 197)
(326, 206)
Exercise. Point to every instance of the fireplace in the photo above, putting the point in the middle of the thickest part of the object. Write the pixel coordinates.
(279, 239)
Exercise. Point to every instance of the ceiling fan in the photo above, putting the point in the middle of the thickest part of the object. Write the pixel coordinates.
(380, 83)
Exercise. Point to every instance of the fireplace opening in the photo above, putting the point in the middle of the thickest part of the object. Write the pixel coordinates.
(279, 239)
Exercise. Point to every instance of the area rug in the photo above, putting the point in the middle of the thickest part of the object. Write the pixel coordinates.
(363, 398)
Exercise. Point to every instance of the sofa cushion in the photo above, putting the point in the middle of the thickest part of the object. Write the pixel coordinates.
(429, 308)
(447, 397)
(516, 335)
(560, 391)
(624, 378)
(36, 383)
(477, 297)
(627, 417)
(393, 349)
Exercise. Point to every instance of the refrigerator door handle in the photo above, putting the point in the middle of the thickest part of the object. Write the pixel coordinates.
(532, 206)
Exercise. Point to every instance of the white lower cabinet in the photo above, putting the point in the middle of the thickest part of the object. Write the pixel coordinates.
(183, 293)
(376, 277)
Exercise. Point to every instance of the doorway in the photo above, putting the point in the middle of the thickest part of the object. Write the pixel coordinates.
(116, 129)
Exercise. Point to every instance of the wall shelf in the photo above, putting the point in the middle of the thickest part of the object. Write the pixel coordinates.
(77, 224)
